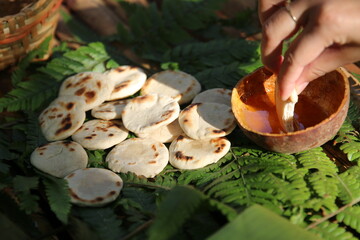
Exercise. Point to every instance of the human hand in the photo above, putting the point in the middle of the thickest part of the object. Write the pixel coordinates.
(330, 38)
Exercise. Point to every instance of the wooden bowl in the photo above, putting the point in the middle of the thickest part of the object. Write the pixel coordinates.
(320, 111)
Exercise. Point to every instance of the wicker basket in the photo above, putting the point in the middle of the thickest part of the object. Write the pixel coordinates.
(25, 30)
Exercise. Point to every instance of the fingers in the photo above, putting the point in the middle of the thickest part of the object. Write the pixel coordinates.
(267, 8)
(329, 60)
(307, 47)
(276, 28)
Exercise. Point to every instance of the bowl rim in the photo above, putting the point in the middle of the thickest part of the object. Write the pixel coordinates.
(344, 101)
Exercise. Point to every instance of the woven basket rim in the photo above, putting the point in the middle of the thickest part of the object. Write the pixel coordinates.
(32, 6)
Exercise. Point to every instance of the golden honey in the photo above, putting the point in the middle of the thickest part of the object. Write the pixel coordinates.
(260, 114)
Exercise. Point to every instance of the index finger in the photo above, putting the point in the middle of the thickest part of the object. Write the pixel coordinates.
(267, 7)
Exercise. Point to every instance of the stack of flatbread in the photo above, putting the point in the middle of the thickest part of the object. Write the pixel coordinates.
(158, 116)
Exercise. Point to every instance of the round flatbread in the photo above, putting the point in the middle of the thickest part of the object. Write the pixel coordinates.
(164, 134)
(59, 158)
(62, 117)
(100, 134)
(187, 153)
(109, 110)
(127, 81)
(149, 112)
(216, 95)
(93, 187)
(207, 120)
(179, 85)
(143, 157)
(93, 87)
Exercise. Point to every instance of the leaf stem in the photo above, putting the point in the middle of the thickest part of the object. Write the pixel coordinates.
(321, 220)
(147, 185)
(138, 229)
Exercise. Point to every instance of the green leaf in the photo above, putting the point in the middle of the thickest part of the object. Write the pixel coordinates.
(57, 193)
(20, 71)
(103, 220)
(177, 206)
(351, 217)
(22, 186)
(349, 185)
(258, 223)
(332, 231)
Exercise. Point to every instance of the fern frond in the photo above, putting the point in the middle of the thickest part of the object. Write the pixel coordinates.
(29, 95)
(349, 185)
(176, 207)
(195, 57)
(316, 159)
(20, 71)
(57, 193)
(229, 212)
(351, 217)
(332, 231)
(349, 141)
(23, 186)
(34, 136)
(326, 191)
(96, 158)
(132, 180)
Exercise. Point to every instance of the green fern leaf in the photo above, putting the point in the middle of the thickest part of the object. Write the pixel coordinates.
(177, 206)
(20, 71)
(332, 231)
(34, 136)
(29, 95)
(229, 212)
(316, 159)
(349, 185)
(23, 186)
(349, 140)
(351, 217)
(96, 158)
(57, 193)
(103, 220)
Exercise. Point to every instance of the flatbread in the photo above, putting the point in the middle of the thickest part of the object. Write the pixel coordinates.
(164, 134)
(143, 157)
(207, 120)
(149, 112)
(62, 117)
(93, 87)
(285, 111)
(127, 81)
(187, 153)
(59, 158)
(100, 134)
(179, 85)
(93, 187)
(216, 95)
(109, 110)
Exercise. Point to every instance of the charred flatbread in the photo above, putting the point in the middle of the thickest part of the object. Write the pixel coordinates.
(143, 157)
(179, 85)
(216, 95)
(59, 158)
(149, 112)
(207, 120)
(93, 87)
(62, 117)
(93, 187)
(188, 153)
(164, 134)
(127, 80)
(100, 134)
(109, 110)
